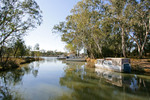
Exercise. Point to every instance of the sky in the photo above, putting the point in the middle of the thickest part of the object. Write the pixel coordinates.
(54, 11)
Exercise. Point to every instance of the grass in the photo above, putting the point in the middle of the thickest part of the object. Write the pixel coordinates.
(140, 65)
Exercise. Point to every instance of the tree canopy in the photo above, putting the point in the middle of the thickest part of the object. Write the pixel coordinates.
(107, 28)
(17, 17)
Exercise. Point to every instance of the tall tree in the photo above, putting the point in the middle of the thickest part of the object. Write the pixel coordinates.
(37, 48)
(106, 27)
(17, 17)
(139, 29)
(118, 9)
(19, 48)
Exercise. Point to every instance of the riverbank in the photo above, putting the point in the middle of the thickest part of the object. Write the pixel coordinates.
(16, 62)
(137, 65)
(140, 65)
(28, 60)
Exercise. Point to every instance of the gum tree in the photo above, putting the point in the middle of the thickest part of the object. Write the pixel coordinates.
(16, 18)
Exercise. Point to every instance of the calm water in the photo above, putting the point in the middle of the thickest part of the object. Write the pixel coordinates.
(53, 79)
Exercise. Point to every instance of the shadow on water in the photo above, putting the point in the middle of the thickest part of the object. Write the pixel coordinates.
(96, 84)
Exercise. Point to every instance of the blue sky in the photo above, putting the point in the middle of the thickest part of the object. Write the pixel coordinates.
(54, 11)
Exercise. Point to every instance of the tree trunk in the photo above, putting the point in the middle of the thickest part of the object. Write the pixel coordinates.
(99, 47)
(140, 48)
(140, 51)
(141, 54)
(123, 43)
(92, 56)
(1, 54)
(97, 43)
(100, 50)
(16, 52)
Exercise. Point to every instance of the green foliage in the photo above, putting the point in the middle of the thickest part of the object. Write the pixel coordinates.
(106, 28)
(51, 53)
(17, 18)
(19, 48)
(71, 48)
(37, 47)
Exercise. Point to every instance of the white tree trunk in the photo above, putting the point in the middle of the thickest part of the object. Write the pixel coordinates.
(123, 43)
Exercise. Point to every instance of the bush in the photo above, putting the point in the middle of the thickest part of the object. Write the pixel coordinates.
(8, 65)
(90, 63)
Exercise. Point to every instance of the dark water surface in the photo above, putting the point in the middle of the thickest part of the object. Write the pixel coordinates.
(53, 79)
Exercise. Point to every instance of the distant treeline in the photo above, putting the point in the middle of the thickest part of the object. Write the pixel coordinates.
(20, 50)
(108, 28)
(51, 53)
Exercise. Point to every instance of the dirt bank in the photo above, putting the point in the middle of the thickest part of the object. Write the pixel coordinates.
(141, 65)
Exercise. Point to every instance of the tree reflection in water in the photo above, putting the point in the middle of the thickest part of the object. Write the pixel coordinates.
(53, 59)
(10, 79)
(96, 84)
(62, 80)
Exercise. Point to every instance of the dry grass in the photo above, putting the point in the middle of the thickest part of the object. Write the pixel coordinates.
(141, 65)
(91, 63)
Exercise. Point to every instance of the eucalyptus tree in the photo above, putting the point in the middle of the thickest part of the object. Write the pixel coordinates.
(37, 50)
(80, 18)
(69, 34)
(133, 18)
(71, 48)
(37, 47)
(19, 48)
(107, 27)
(117, 10)
(139, 26)
(82, 27)
(89, 11)
(17, 18)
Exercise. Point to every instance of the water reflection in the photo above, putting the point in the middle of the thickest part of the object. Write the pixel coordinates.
(98, 84)
(51, 59)
(119, 79)
(78, 79)
(62, 80)
(10, 79)
(110, 77)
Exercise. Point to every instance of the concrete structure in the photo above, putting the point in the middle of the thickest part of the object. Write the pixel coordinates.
(114, 64)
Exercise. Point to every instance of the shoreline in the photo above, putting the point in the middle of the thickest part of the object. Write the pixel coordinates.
(140, 65)
(14, 63)
(137, 65)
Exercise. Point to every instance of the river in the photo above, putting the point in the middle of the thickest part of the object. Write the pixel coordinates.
(53, 79)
